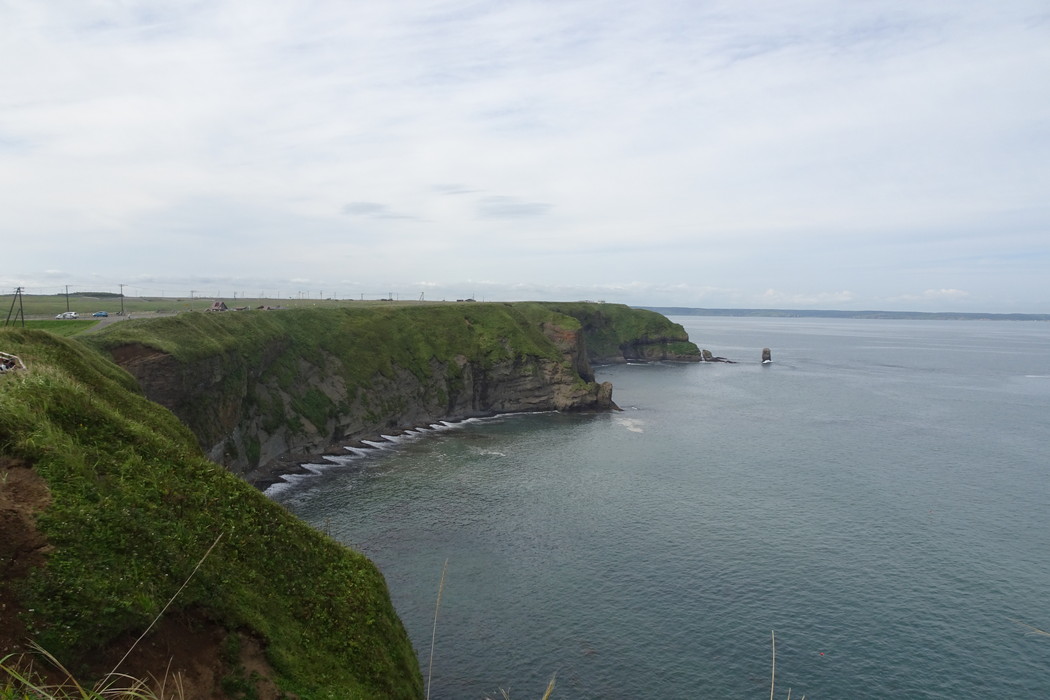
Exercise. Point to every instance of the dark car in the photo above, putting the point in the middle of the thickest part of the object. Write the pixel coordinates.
(101, 314)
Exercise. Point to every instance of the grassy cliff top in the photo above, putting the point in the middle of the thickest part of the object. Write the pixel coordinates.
(368, 339)
(134, 505)
(609, 327)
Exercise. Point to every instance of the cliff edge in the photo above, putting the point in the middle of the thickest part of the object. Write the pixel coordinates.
(257, 387)
(107, 505)
(108, 499)
(616, 333)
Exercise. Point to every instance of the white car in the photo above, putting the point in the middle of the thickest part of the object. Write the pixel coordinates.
(68, 314)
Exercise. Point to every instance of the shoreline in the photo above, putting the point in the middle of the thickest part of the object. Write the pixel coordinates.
(271, 474)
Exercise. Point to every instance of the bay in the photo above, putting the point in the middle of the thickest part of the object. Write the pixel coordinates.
(879, 496)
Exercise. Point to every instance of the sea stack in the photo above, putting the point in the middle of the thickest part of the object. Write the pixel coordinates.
(767, 356)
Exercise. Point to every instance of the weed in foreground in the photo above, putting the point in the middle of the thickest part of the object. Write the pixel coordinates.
(546, 695)
(20, 681)
(773, 672)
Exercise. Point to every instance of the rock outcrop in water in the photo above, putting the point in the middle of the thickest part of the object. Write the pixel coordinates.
(708, 356)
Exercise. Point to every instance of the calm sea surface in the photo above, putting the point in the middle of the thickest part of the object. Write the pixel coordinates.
(879, 496)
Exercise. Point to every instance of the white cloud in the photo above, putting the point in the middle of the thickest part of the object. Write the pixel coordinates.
(944, 294)
(934, 295)
(718, 145)
(778, 299)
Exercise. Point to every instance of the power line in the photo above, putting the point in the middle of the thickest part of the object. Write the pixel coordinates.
(21, 309)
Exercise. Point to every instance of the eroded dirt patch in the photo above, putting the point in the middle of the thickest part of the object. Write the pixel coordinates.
(193, 657)
(23, 493)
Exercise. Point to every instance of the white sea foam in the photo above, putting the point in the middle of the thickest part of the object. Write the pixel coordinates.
(290, 480)
(633, 424)
(385, 443)
(277, 487)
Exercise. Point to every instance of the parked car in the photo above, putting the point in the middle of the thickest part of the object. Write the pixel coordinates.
(68, 314)
(101, 314)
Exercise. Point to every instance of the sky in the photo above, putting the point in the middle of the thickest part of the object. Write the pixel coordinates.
(884, 154)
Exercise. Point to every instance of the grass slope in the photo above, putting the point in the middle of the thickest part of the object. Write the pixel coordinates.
(135, 504)
(353, 344)
(609, 328)
(366, 339)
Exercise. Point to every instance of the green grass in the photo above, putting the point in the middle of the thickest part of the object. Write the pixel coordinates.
(608, 328)
(20, 680)
(134, 503)
(64, 327)
(260, 355)
(47, 306)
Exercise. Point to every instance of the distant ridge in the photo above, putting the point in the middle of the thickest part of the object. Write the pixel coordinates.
(829, 313)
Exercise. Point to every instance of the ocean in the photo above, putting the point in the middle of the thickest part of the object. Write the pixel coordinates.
(878, 497)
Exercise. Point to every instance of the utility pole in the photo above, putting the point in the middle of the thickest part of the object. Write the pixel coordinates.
(67, 297)
(122, 299)
(21, 310)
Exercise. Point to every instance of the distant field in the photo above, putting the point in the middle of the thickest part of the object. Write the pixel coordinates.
(40, 307)
(63, 328)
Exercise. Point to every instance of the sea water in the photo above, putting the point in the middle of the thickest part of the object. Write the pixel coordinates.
(879, 497)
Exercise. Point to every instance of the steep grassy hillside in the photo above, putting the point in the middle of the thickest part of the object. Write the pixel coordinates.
(128, 504)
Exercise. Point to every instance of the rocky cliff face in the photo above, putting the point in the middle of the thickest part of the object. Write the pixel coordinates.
(249, 407)
(616, 334)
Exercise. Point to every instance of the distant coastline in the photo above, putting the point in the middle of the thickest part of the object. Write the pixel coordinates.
(829, 313)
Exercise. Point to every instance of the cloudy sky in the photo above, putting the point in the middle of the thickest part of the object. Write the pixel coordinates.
(889, 154)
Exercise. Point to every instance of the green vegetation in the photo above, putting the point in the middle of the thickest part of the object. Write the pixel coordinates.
(134, 502)
(47, 306)
(612, 329)
(21, 681)
(133, 506)
(366, 339)
(263, 357)
(36, 306)
(64, 327)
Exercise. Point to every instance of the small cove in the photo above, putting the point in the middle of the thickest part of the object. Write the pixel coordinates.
(878, 497)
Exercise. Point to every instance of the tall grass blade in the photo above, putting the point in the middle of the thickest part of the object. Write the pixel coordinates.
(433, 634)
(1031, 629)
(166, 605)
(773, 677)
(550, 688)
